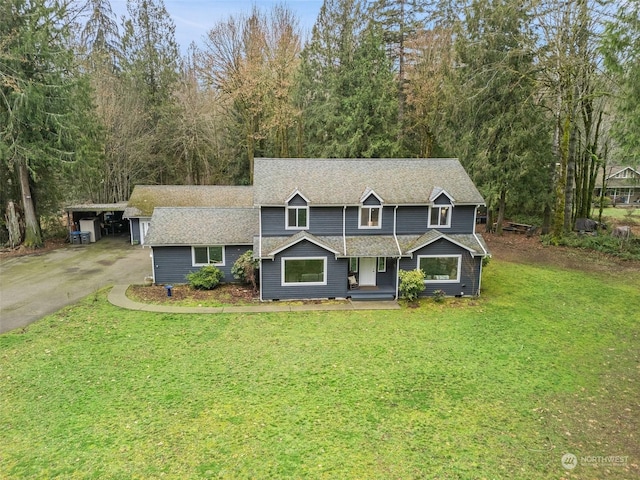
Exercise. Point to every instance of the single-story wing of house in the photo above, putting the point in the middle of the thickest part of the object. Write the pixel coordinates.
(145, 198)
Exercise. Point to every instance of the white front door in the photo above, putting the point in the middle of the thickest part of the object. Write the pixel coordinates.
(368, 267)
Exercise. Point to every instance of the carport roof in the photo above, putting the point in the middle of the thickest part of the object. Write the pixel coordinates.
(145, 198)
(97, 207)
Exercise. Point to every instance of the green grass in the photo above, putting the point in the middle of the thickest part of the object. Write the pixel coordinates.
(545, 363)
(621, 213)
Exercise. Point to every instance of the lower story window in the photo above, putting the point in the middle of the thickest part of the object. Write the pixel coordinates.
(445, 268)
(207, 256)
(304, 271)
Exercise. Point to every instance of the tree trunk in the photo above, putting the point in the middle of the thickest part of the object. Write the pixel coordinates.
(502, 205)
(32, 235)
(14, 226)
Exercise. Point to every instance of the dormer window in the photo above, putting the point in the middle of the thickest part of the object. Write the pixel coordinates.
(297, 217)
(370, 210)
(370, 216)
(440, 208)
(297, 212)
(440, 216)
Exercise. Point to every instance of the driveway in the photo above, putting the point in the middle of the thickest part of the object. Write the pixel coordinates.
(36, 285)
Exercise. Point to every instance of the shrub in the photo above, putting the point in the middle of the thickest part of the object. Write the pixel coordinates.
(411, 284)
(207, 278)
(438, 296)
(245, 268)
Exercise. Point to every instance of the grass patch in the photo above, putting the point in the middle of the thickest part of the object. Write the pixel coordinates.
(543, 364)
(623, 213)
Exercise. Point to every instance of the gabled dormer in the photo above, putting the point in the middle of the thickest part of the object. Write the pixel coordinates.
(296, 211)
(440, 208)
(370, 214)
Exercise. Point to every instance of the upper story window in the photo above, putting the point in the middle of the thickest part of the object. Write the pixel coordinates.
(370, 216)
(298, 217)
(207, 256)
(440, 216)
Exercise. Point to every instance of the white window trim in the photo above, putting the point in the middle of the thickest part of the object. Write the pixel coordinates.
(193, 256)
(448, 224)
(302, 284)
(372, 227)
(459, 273)
(384, 264)
(357, 264)
(286, 217)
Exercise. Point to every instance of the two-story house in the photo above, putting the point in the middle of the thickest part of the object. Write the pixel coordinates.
(335, 228)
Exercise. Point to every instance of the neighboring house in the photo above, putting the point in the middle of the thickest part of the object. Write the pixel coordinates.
(314, 223)
(622, 184)
(145, 198)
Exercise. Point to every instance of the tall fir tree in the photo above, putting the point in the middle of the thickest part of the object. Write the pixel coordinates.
(44, 105)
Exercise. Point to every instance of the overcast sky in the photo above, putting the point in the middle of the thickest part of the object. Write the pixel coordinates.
(194, 18)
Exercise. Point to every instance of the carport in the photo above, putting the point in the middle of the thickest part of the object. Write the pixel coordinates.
(106, 216)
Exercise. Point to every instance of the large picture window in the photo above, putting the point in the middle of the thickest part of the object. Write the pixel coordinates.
(213, 255)
(440, 216)
(370, 217)
(297, 217)
(304, 271)
(439, 269)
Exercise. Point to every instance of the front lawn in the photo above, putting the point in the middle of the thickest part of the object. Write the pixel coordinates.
(544, 364)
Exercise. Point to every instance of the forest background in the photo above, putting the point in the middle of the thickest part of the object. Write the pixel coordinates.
(535, 97)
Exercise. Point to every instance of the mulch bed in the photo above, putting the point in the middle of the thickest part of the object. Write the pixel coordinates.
(228, 293)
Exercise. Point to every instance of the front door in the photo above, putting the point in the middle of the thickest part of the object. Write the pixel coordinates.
(368, 267)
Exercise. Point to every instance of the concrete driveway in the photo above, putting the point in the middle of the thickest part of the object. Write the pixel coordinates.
(37, 285)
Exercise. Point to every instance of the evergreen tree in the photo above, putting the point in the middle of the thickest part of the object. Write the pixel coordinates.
(43, 104)
(346, 90)
(621, 46)
(503, 130)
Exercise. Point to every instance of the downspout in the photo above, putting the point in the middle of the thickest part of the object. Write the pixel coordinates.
(153, 266)
(260, 248)
(395, 237)
(344, 230)
(481, 246)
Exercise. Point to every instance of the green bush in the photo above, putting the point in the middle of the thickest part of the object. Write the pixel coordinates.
(411, 284)
(207, 278)
(245, 269)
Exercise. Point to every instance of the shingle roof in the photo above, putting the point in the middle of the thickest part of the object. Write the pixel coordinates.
(373, 245)
(145, 198)
(474, 243)
(612, 182)
(202, 226)
(343, 181)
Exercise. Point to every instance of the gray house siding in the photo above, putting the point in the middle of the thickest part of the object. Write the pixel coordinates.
(387, 277)
(322, 221)
(353, 220)
(271, 275)
(172, 264)
(462, 219)
(469, 271)
(411, 220)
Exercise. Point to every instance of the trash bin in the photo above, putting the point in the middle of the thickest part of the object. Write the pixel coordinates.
(169, 289)
(74, 238)
(85, 238)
